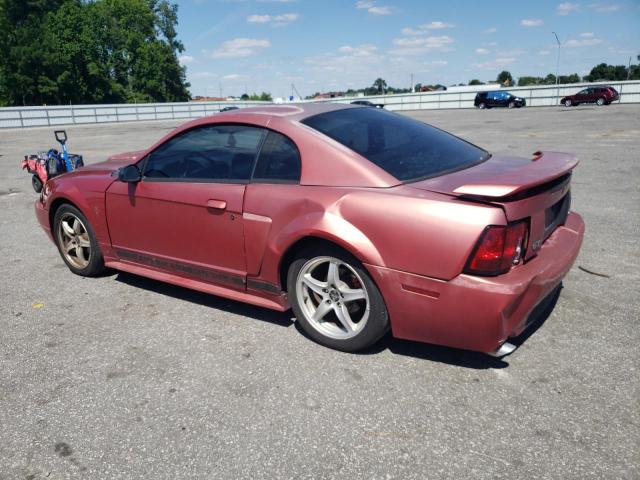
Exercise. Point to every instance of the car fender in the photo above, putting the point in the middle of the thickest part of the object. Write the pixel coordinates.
(90, 201)
(321, 225)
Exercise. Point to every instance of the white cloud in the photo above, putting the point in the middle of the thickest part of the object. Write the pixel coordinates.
(259, 18)
(439, 63)
(585, 42)
(490, 30)
(544, 52)
(380, 10)
(482, 51)
(186, 59)
(424, 28)
(495, 64)
(531, 22)
(421, 45)
(565, 8)
(586, 34)
(234, 76)
(605, 7)
(275, 20)
(240, 47)
(437, 25)
(203, 75)
(365, 50)
(372, 8)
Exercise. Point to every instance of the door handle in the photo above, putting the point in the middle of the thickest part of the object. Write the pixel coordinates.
(217, 204)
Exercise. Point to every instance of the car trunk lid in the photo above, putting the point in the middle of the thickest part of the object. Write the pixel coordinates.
(537, 189)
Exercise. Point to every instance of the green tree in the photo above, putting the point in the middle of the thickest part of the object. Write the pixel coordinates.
(526, 81)
(380, 86)
(504, 78)
(604, 71)
(550, 79)
(475, 81)
(78, 51)
(573, 78)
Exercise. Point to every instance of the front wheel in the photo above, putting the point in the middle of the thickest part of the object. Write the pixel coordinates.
(600, 102)
(77, 242)
(511, 104)
(36, 183)
(335, 300)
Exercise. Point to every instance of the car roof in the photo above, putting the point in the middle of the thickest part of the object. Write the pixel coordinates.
(294, 111)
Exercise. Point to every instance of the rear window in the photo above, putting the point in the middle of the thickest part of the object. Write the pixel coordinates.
(405, 148)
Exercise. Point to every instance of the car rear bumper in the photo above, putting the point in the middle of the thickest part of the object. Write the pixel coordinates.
(478, 313)
(43, 218)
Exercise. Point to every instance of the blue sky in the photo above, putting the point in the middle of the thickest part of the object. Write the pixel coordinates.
(323, 45)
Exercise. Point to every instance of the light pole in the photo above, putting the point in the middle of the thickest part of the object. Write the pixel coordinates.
(557, 70)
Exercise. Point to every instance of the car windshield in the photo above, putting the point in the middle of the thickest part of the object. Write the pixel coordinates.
(405, 148)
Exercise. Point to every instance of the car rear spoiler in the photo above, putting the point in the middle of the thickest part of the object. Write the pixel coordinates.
(544, 167)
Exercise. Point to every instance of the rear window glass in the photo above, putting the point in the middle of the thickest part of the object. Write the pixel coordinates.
(405, 148)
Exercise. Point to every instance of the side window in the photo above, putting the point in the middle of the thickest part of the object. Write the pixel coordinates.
(208, 153)
(279, 160)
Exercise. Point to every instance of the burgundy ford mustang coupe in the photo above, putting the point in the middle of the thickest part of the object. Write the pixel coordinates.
(359, 219)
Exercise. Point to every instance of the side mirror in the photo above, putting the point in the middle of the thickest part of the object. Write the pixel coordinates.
(129, 174)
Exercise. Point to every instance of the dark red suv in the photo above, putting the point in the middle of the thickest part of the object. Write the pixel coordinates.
(600, 95)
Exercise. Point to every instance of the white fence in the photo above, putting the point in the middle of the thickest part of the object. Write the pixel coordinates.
(541, 96)
(18, 117)
(538, 96)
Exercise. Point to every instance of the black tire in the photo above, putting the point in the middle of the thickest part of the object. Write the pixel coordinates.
(95, 265)
(377, 323)
(36, 183)
(601, 101)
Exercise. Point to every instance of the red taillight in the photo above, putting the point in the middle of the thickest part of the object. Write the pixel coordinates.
(498, 250)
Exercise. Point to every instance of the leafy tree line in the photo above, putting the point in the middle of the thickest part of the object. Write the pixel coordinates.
(89, 51)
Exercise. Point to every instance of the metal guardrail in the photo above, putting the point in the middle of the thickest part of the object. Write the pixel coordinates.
(537, 96)
(20, 117)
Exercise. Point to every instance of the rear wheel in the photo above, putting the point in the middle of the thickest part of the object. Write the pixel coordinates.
(567, 102)
(77, 242)
(600, 101)
(335, 300)
(482, 105)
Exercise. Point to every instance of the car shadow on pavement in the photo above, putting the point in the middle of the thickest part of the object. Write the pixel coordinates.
(231, 306)
(424, 351)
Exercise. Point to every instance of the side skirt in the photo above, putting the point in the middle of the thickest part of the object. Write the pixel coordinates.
(269, 300)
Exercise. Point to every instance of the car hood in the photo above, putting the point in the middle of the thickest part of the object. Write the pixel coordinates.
(114, 162)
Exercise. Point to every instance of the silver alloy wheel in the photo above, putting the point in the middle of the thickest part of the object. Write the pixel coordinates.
(333, 297)
(73, 239)
(600, 101)
(512, 104)
(481, 106)
(567, 103)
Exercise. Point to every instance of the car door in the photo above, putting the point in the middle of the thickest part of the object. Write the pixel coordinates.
(185, 215)
(582, 96)
(492, 99)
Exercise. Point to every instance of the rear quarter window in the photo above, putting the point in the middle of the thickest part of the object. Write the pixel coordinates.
(405, 148)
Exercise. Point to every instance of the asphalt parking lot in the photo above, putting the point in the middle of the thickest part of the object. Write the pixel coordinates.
(122, 377)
